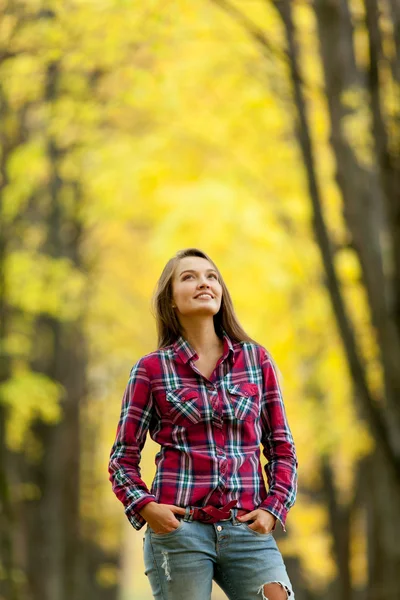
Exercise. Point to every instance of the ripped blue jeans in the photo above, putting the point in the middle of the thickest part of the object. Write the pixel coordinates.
(183, 563)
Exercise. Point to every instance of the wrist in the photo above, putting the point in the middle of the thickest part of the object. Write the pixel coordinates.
(146, 508)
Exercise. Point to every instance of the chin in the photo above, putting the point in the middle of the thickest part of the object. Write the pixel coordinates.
(202, 310)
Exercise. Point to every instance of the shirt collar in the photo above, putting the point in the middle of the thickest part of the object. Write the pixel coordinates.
(184, 351)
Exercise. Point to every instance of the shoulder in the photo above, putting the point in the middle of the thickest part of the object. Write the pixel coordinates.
(152, 361)
(257, 351)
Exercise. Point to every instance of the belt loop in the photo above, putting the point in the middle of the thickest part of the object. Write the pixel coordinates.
(234, 519)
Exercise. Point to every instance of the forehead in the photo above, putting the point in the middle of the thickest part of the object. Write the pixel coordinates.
(197, 263)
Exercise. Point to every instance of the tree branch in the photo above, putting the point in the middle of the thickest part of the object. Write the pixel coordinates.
(255, 32)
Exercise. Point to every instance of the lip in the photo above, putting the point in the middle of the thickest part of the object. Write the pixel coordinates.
(205, 293)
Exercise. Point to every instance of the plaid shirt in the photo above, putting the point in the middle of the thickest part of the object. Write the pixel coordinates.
(209, 431)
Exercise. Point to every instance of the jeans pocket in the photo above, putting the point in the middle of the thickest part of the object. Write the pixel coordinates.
(257, 533)
(168, 534)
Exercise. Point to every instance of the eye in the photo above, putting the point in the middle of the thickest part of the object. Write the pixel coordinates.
(189, 275)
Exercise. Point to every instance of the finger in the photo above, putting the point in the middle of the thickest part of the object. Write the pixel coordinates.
(250, 515)
(178, 509)
(259, 528)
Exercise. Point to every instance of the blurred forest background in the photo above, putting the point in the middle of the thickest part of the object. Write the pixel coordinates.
(265, 132)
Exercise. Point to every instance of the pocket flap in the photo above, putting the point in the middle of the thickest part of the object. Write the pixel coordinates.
(244, 389)
(182, 394)
(185, 406)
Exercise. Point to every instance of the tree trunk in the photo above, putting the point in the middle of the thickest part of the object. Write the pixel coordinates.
(363, 198)
(394, 15)
(383, 419)
(382, 501)
(339, 518)
(386, 130)
(53, 521)
(8, 583)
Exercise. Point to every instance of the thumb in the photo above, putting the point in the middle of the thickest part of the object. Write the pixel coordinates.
(250, 515)
(178, 509)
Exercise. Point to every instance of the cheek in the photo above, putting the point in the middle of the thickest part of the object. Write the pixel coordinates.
(183, 293)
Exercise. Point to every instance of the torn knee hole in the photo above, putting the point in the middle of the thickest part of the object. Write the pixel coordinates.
(270, 587)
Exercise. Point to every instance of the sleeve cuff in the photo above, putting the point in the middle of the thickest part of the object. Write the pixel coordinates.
(132, 511)
(276, 508)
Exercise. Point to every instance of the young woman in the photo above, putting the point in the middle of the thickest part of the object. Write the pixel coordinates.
(209, 396)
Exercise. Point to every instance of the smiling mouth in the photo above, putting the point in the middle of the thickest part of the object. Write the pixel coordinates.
(204, 297)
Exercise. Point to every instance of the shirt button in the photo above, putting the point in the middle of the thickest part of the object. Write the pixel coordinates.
(219, 528)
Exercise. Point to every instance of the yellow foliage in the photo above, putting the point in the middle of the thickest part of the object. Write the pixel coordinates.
(27, 168)
(39, 283)
(29, 396)
(356, 125)
(107, 575)
(309, 531)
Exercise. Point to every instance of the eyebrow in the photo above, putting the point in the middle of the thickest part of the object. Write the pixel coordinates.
(193, 271)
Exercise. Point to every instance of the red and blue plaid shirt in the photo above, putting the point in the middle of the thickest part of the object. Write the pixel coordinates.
(209, 431)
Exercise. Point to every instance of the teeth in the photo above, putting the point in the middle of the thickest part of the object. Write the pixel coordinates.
(204, 296)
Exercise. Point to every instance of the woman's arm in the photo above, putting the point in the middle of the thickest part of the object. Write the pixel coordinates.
(278, 446)
(124, 470)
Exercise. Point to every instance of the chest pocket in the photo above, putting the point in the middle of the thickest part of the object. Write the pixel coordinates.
(185, 406)
(244, 401)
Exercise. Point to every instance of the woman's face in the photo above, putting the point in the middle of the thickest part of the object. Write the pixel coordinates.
(195, 287)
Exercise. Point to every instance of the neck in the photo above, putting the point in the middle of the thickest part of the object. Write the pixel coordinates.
(200, 333)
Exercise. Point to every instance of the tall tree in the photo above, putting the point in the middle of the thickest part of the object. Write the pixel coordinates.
(52, 554)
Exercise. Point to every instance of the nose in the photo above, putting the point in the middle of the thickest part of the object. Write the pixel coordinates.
(204, 283)
(203, 287)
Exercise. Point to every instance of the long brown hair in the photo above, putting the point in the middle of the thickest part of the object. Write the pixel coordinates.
(168, 326)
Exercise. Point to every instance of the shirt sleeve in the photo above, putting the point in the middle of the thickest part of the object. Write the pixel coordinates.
(123, 468)
(278, 447)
